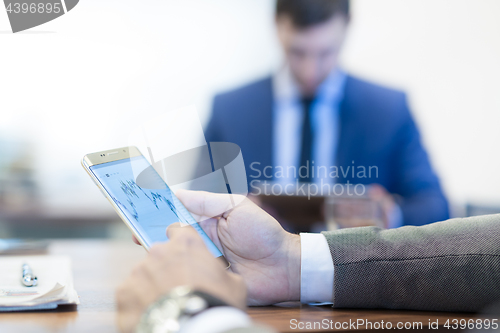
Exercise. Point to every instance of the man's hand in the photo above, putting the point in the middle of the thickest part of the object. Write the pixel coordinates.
(376, 210)
(185, 260)
(380, 195)
(258, 248)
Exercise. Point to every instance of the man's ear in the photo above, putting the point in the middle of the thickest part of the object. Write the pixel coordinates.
(284, 26)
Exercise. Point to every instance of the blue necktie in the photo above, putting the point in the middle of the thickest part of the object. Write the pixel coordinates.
(307, 141)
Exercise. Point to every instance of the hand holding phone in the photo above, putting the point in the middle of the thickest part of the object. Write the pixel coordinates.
(147, 211)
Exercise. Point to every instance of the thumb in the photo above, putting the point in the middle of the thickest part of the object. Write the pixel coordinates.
(172, 229)
(205, 204)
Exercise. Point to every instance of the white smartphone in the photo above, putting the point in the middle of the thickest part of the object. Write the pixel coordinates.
(146, 211)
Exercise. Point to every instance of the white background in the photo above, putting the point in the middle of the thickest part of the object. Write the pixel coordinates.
(80, 83)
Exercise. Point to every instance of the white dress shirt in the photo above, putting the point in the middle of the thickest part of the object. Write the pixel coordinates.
(287, 128)
(288, 117)
(316, 270)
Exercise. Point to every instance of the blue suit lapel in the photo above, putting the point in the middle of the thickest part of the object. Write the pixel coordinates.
(347, 127)
(261, 121)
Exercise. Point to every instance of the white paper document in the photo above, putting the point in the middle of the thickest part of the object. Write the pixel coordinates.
(55, 283)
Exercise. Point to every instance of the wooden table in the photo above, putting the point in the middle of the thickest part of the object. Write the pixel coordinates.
(99, 266)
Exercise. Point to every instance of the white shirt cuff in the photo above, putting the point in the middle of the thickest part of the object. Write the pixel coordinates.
(316, 270)
(216, 320)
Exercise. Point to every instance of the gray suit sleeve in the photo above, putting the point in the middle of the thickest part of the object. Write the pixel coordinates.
(452, 265)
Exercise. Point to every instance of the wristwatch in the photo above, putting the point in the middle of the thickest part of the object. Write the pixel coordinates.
(170, 312)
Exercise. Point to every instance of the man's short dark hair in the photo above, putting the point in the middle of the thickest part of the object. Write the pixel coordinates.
(306, 13)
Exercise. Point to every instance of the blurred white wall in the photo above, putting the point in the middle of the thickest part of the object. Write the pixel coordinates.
(80, 83)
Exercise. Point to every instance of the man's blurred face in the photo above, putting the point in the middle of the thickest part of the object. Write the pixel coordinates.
(312, 52)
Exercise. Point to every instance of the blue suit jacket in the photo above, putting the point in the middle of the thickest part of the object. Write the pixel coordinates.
(376, 129)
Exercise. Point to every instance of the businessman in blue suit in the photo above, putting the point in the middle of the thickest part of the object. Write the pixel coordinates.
(311, 122)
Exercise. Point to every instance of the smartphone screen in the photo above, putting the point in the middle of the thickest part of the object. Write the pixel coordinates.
(150, 211)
